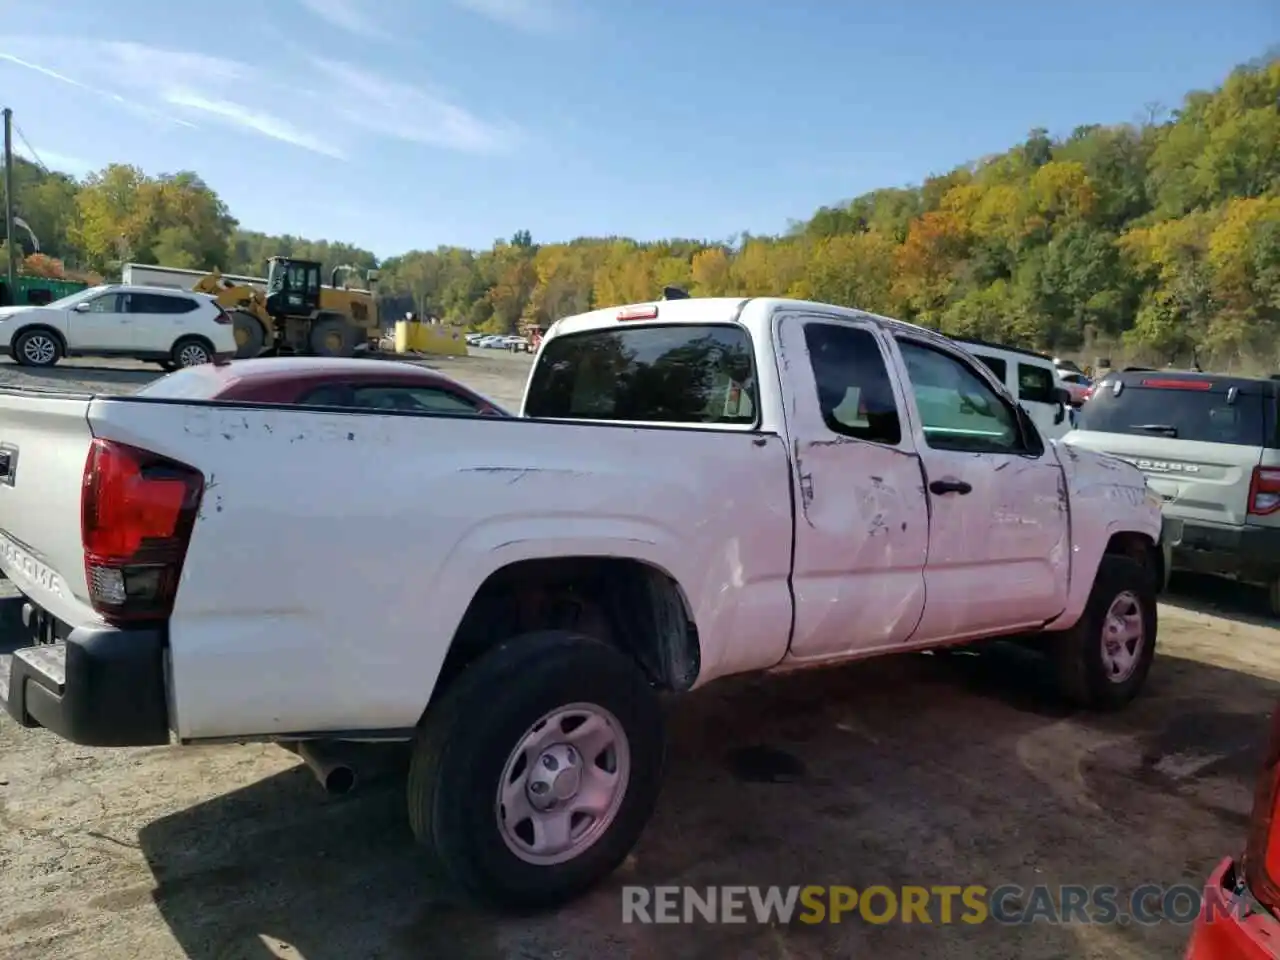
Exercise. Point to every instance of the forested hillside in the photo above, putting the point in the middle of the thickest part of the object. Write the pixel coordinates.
(1148, 240)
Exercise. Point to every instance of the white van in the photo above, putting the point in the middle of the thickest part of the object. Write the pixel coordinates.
(1032, 380)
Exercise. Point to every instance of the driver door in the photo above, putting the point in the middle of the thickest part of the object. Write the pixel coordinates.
(998, 535)
(101, 325)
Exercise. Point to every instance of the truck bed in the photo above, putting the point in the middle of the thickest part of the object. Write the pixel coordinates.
(342, 549)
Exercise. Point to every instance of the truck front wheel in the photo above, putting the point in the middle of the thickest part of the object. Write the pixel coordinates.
(534, 774)
(1102, 662)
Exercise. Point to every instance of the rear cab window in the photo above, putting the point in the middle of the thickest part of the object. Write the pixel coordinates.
(679, 373)
(1199, 409)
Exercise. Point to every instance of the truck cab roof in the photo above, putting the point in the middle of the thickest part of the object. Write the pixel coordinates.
(751, 312)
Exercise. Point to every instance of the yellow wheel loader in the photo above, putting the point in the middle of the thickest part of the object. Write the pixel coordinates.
(295, 314)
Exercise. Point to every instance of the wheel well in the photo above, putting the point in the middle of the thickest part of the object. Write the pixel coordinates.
(32, 327)
(193, 338)
(1139, 547)
(627, 603)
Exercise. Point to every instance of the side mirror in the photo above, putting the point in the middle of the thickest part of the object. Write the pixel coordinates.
(81, 307)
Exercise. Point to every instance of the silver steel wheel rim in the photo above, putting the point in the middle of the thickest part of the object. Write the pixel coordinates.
(1123, 637)
(562, 786)
(192, 355)
(39, 349)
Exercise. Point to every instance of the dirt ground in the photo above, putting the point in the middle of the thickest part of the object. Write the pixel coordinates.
(909, 770)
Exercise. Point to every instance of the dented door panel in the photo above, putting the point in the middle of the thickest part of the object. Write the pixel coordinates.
(999, 546)
(862, 527)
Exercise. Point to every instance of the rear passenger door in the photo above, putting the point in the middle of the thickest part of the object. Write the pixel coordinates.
(158, 320)
(861, 527)
(999, 553)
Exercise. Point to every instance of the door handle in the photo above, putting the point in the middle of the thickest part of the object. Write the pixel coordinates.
(950, 485)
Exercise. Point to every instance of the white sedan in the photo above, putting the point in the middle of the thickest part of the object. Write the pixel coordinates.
(174, 328)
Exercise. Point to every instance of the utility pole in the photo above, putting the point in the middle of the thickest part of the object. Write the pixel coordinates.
(8, 205)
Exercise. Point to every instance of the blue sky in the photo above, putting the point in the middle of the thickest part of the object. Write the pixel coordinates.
(399, 124)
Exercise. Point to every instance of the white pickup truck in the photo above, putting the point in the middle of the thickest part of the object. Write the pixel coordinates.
(701, 488)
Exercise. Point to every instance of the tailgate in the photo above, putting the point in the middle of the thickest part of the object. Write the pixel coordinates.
(1197, 481)
(1197, 437)
(44, 441)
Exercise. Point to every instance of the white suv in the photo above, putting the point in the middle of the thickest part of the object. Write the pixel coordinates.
(174, 328)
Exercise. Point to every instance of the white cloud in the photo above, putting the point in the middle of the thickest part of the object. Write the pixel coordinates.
(531, 16)
(345, 15)
(239, 115)
(404, 112)
(184, 87)
(131, 106)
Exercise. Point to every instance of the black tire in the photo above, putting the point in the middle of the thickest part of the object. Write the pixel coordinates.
(251, 335)
(191, 352)
(468, 736)
(37, 348)
(1077, 654)
(332, 337)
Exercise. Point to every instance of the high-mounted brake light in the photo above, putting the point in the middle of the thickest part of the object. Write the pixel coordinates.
(1171, 384)
(638, 313)
(137, 510)
(1264, 491)
(1261, 863)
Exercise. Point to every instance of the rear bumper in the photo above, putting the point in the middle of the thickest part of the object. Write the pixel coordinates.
(1227, 928)
(100, 687)
(1251, 553)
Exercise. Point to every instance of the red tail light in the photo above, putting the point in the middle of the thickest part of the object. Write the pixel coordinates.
(137, 510)
(638, 313)
(1172, 384)
(1264, 491)
(1261, 863)
(223, 317)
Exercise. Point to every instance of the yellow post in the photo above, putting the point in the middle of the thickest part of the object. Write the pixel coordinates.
(404, 335)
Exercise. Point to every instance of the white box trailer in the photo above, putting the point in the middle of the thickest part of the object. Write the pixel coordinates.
(152, 275)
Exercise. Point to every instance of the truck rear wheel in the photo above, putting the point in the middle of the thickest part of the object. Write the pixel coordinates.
(250, 334)
(332, 337)
(535, 773)
(1102, 662)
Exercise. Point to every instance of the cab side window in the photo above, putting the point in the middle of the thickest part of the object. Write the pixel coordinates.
(855, 393)
(1036, 384)
(958, 410)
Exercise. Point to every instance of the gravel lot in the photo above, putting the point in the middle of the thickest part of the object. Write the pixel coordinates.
(914, 770)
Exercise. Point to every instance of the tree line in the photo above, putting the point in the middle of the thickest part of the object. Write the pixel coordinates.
(1158, 241)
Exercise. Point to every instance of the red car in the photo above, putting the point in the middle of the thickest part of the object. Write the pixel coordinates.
(1240, 914)
(359, 384)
